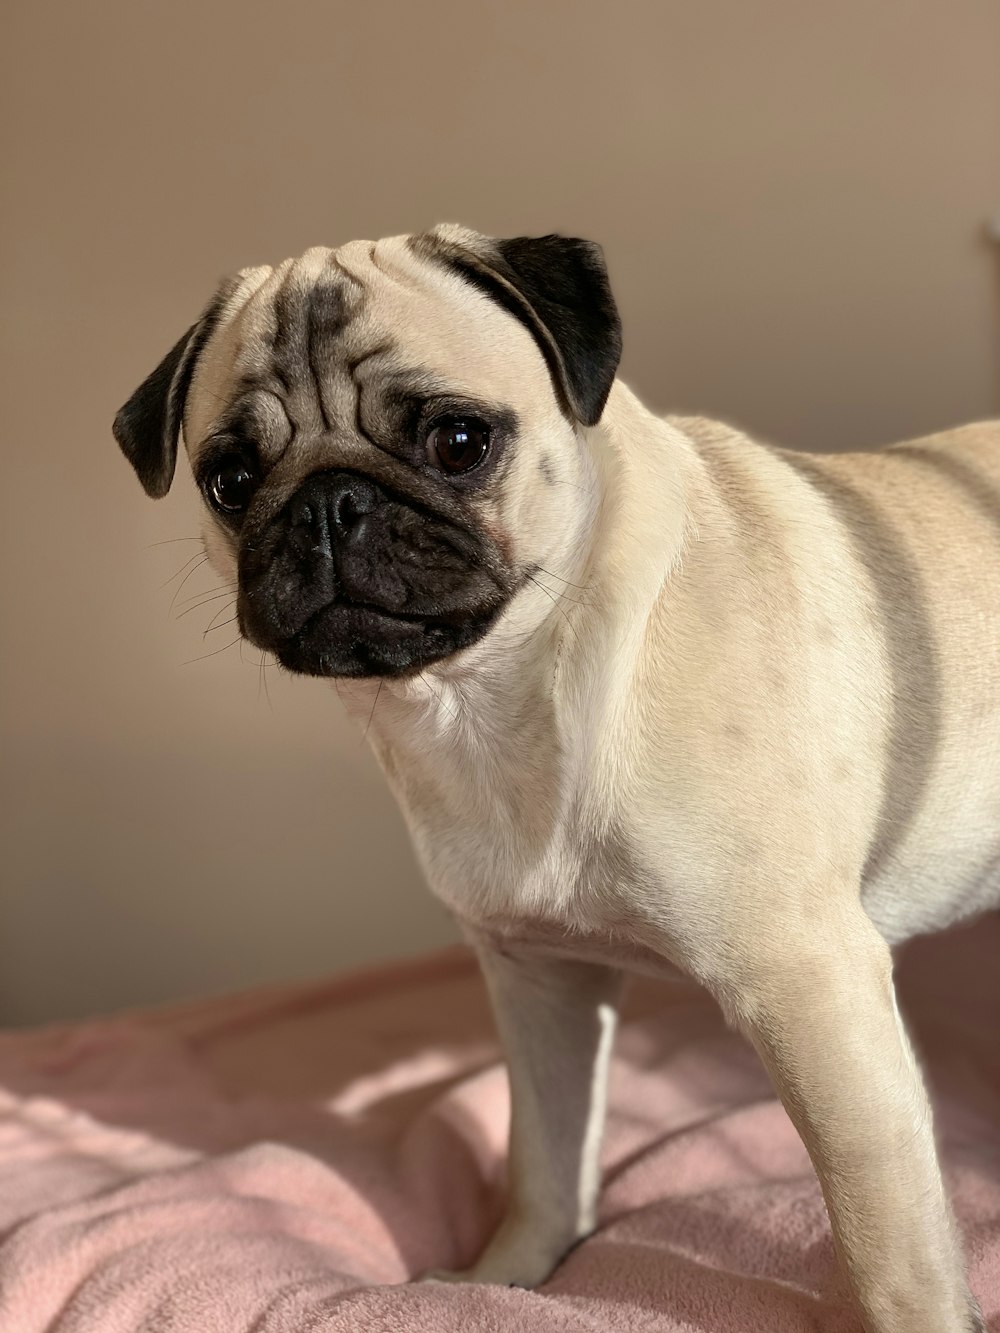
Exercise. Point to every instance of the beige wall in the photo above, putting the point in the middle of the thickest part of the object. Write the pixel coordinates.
(791, 197)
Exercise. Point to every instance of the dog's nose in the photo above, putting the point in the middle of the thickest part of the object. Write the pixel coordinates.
(330, 508)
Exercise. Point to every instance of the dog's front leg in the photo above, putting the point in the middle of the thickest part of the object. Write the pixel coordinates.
(556, 1020)
(822, 1013)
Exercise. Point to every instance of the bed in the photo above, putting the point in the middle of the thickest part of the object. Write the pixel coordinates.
(287, 1159)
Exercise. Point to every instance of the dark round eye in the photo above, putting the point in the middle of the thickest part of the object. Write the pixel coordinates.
(230, 484)
(457, 444)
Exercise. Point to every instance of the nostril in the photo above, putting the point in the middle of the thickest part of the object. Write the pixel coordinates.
(350, 503)
(345, 511)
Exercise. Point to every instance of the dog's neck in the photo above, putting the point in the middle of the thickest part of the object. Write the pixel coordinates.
(527, 714)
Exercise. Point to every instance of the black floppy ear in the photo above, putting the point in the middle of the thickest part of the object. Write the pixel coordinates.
(148, 426)
(557, 286)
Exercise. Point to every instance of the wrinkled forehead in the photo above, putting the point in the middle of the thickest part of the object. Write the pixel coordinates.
(290, 329)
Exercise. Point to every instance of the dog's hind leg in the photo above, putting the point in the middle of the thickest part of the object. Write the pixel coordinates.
(821, 1010)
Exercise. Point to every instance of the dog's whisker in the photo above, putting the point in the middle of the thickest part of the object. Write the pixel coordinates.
(222, 625)
(262, 679)
(206, 598)
(560, 577)
(204, 592)
(221, 611)
(439, 697)
(180, 586)
(553, 599)
(200, 556)
(215, 652)
(216, 397)
(168, 541)
(564, 596)
(372, 713)
(192, 603)
(263, 671)
(205, 601)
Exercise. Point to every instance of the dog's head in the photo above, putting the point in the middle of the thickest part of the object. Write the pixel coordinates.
(386, 437)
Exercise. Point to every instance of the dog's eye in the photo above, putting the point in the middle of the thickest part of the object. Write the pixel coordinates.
(230, 484)
(457, 444)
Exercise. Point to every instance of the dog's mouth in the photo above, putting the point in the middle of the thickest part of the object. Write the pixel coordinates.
(350, 578)
(356, 639)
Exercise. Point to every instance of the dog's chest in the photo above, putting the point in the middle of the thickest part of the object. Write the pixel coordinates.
(583, 897)
(486, 868)
(525, 826)
(532, 872)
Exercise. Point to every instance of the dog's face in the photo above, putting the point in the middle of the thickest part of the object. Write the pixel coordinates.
(387, 438)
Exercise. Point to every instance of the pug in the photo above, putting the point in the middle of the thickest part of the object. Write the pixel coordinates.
(652, 695)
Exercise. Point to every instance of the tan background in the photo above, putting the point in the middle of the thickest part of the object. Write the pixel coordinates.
(792, 199)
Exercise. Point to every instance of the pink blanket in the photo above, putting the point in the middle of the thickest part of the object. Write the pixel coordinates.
(285, 1160)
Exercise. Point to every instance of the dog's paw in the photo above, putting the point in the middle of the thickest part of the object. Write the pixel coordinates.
(472, 1275)
(517, 1256)
(446, 1275)
(527, 1269)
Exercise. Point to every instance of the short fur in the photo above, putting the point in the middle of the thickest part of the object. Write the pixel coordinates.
(732, 709)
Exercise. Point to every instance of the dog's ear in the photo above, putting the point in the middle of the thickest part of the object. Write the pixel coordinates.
(148, 426)
(557, 286)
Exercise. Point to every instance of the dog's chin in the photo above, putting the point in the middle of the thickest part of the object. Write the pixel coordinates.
(358, 641)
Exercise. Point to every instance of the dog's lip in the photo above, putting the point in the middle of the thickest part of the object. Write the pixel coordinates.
(375, 621)
(425, 622)
(354, 639)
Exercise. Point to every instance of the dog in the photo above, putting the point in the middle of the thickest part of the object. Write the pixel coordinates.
(651, 695)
